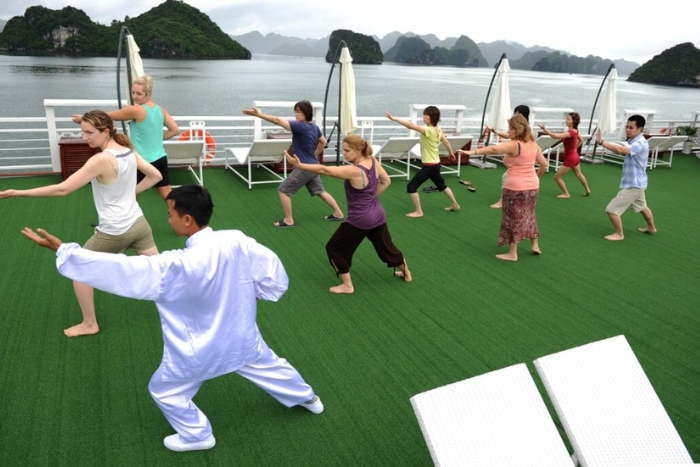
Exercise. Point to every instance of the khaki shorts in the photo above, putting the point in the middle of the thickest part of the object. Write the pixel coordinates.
(297, 179)
(625, 198)
(139, 238)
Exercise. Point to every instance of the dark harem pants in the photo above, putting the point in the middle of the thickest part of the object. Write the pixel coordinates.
(342, 245)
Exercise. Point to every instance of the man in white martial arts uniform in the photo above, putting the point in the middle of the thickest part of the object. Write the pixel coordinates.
(206, 296)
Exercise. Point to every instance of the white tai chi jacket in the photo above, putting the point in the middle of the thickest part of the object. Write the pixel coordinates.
(205, 295)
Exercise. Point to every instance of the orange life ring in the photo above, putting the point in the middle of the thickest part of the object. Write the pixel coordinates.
(188, 135)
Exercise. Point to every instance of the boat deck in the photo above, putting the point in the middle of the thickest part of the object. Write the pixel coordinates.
(84, 402)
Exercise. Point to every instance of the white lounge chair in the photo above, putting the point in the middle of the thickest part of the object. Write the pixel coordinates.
(263, 151)
(668, 145)
(548, 147)
(187, 153)
(457, 142)
(494, 420)
(546, 144)
(191, 150)
(608, 408)
(397, 149)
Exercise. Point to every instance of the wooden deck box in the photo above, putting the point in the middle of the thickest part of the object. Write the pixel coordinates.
(74, 153)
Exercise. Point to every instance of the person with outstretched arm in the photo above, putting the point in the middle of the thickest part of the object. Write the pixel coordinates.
(634, 178)
(206, 296)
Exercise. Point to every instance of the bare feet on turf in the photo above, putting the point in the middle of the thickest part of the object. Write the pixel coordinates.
(414, 214)
(82, 329)
(342, 288)
(496, 206)
(454, 207)
(563, 196)
(404, 272)
(615, 237)
(507, 257)
(588, 193)
(536, 251)
(648, 230)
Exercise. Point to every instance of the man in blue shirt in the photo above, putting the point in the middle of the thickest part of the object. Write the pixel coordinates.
(634, 178)
(308, 143)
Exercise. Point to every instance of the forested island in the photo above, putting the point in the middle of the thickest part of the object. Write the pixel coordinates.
(677, 66)
(174, 29)
(416, 51)
(364, 48)
(171, 30)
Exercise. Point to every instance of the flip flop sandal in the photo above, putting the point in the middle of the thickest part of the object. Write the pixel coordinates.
(282, 224)
(465, 182)
(471, 188)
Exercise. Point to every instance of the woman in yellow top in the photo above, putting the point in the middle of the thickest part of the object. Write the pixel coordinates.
(430, 137)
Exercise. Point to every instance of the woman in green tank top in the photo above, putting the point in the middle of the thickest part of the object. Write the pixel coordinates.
(147, 120)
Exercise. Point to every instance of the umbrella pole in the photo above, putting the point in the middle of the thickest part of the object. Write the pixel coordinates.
(338, 123)
(122, 39)
(483, 163)
(591, 159)
(341, 44)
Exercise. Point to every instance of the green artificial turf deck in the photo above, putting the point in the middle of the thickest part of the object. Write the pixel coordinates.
(84, 402)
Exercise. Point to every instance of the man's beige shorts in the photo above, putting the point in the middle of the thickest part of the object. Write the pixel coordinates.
(139, 238)
(625, 198)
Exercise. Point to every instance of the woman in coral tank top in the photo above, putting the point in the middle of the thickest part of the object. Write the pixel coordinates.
(521, 186)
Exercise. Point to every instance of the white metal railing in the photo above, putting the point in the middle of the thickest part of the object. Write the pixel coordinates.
(31, 144)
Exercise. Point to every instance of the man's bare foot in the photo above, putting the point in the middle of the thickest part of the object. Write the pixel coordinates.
(507, 257)
(342, 288)
(82, 329)
(414, 214)
(404, 272)
(648, 230)
(563, 196)
(536, 251)
(587, 193)
(454, 207)
(615, 237)
(496, 206)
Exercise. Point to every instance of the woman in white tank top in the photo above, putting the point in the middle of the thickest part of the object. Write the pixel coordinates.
(112, 173)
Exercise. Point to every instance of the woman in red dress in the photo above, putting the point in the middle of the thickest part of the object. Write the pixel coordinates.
(572, 140)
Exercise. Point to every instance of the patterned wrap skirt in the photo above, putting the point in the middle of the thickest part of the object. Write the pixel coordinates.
(519, 220)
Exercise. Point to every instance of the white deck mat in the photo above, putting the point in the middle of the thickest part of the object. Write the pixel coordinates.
(497, 419)
(608, 407)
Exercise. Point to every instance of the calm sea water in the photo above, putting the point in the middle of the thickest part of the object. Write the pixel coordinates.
(225, 87)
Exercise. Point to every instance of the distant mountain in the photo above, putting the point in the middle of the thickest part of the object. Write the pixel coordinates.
(172, 29)
(528, 60)
(625, 67)
(363, 49)
(525, 58)
(487, 53)
(492, 51)
(389, 40)
(677, 66)
(562, 63)
(276, 44)
(475, 56)
(407, 50)
(416, 51)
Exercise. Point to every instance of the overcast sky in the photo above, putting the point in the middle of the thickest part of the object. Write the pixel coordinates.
(633, 30)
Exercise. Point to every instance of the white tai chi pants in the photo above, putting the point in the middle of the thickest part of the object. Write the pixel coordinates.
(273, 374)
